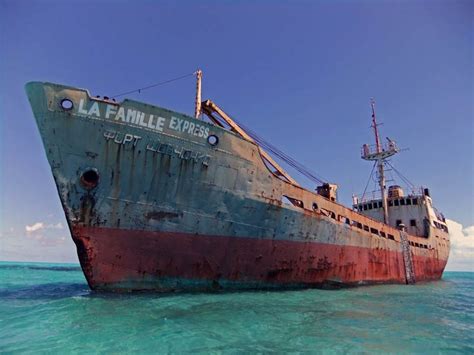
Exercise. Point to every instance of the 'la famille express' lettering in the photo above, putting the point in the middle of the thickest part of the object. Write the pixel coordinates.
(139, 118)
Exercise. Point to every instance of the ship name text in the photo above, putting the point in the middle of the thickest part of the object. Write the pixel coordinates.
(156, 146)
(141, 119)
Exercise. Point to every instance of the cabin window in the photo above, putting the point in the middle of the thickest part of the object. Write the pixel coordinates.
(66, 104)
(366, 228)
(391, 237)
(285, 200)
(213, 140)
(390, 203)
(380, 204)
(382, 234)
(292, 201)
(402, 202)
(415, 201)
(315, 206)
(374, 231)
(348, 221)
(397, 203)
(408, 201)
(369, 206)
(333, 215)
(399, 221)
(365, 207)
(413, 222)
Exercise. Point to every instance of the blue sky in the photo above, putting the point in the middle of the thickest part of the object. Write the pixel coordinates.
(300, 74)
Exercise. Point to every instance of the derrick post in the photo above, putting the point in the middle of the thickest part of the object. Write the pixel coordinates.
(197, 107)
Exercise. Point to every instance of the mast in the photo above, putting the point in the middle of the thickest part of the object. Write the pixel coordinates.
(380, 163)
(197, 107)
(374, 125)
(379, 154)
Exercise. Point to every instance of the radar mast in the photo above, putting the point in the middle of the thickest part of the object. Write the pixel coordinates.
(379, 153)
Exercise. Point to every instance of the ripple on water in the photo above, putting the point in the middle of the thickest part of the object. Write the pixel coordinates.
(50, 309)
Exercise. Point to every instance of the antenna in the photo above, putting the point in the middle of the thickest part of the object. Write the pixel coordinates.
(374, 125)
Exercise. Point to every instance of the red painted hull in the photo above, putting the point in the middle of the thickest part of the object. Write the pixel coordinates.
(118, 259)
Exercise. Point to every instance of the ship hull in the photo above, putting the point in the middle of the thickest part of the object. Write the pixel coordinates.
(153, 205)
(124, 260)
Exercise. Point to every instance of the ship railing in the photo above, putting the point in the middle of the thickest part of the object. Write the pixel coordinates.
(366, 197)
(370, 152)
(374, 195)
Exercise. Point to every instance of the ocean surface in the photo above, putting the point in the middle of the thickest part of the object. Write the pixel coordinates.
(48, 308)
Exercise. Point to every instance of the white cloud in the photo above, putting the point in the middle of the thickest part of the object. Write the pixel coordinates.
(35, 227)
(461, 257)
(46, 241)
(40, 225)
(56, 226)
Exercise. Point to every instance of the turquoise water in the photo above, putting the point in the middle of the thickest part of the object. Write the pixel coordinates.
(48, 308)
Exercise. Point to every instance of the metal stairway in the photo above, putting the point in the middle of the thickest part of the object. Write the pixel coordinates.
(409, 272)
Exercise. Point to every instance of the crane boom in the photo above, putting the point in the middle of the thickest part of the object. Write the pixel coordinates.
(210, 109)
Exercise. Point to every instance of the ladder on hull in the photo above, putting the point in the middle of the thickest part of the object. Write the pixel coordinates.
(407, 259)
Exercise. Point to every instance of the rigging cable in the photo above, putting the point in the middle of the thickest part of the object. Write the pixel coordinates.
(266, 145)
(139, 90)
(368, 180)
(311, 175)
(408, 182)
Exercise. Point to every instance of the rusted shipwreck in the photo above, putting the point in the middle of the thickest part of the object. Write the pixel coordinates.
(158, 200)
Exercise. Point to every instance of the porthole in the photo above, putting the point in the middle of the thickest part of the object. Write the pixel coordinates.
(90, 178)
(66, 104)
(213, 140)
